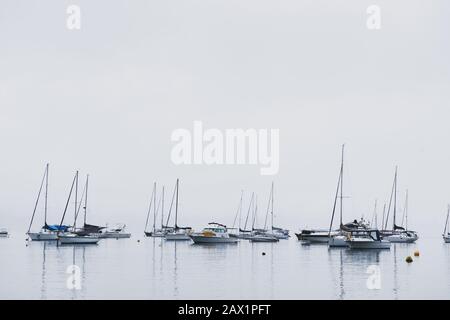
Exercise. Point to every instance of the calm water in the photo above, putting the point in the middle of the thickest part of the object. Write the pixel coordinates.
(158, 269)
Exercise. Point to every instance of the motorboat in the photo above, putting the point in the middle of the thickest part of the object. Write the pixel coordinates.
(213, 234)
(367, 239)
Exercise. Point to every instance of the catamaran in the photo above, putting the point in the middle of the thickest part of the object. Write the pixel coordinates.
(89, 233)
(213, 234)
(155, 232)
(446, 234)
(398, 234)
(47, 232)
(176, 233)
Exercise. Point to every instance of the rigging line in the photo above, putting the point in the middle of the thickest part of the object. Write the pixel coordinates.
(81, 201)
(268, 207)
(37, 200)
(248, 212)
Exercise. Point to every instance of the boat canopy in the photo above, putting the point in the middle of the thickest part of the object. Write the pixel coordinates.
(56, 227)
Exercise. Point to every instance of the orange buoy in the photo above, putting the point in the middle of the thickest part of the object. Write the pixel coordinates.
(416, 253)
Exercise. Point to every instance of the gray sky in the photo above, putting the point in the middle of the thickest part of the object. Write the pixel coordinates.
(105, 100)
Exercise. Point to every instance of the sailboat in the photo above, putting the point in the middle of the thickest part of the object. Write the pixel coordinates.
(446, 234)
(89, 233)
(398, 234)
(177, 233)
(277, 232)
(47, 232)
(155, 232)
(261, 235)
(339, 238)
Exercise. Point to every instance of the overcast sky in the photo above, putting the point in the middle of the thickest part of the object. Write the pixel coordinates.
(105, 100)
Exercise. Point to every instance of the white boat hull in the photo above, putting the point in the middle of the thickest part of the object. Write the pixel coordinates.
(78, 239)
(212, 240)
(43, 236)
(369, 244)
(264, 239)
(401, 239)
(338, 242)
(112, 235)
(177, 237)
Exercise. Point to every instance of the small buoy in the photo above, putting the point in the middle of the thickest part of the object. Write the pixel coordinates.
(409, 259)
(416, 253)
(139, 241)
(263, 253)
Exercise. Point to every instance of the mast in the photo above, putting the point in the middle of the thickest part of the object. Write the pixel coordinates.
(335, 203)
(239, 209)
(390, 200)
(37, 201)
(384, 212)
(255, 209)
(446, 221)
(342, 184)
(248, 211)
(395, 197)
(67, 203)
(162, 209)
(46, 194)
(176, 206)
(76, 201)
(86, 199)
(272, 206)
(154, 208)
(149, 207)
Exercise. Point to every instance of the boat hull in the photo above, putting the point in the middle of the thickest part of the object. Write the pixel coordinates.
(108, 235)
(213, 240)
(154, 234)
(338, 242)
(78, 240)
(369, 245)
(400, 239)
(177, 237)
(264, 239)
(315, 238)
(446, 239)
(41, 236)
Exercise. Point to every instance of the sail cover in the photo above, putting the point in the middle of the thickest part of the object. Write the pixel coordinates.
(396, 227)
(55, 227)
(90, 228)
